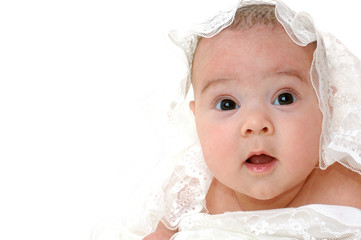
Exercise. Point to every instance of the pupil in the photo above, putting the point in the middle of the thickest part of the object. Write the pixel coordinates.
(228, 105)
(285, 98)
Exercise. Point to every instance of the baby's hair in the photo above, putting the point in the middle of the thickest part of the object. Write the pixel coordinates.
(249, 15)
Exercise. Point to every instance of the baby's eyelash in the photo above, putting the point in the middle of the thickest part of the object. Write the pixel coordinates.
(285, 97)
(220, 98)
(225, 103)
(287, 90)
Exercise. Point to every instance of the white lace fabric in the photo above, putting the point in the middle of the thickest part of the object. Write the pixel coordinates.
(186, 187)
(336, 77)
(179, 200)
(307, 222)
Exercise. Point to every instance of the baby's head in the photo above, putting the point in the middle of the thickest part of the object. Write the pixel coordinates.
(256, 111)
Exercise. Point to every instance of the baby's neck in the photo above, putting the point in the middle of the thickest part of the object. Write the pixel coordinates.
(222, 199)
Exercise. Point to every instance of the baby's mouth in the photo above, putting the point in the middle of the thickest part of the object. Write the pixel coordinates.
(260, 159)
(261, 163)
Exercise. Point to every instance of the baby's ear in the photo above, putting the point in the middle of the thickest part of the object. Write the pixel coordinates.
(192, 106)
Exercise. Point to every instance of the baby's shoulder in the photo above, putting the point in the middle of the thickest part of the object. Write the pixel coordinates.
(347, 186)
(336, 185)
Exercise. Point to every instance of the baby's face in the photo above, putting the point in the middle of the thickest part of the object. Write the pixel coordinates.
(256, 111)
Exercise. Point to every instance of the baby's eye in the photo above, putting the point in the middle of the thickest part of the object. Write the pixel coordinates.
(226, 104)
(285, 99)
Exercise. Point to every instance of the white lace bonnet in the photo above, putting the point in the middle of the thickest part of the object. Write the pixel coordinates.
(336, 78)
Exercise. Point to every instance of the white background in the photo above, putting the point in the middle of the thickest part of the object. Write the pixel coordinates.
(76, 135)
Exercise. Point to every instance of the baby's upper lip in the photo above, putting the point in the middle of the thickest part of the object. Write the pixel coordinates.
(258, 153)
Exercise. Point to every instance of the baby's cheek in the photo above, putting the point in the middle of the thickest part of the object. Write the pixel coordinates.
(214, 138)
(216, 147)
(304, 148)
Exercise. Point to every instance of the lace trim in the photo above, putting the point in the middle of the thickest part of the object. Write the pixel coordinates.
(291, 223)
(187, 187)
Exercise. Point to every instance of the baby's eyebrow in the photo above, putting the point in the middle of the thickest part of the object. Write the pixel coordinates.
(214, 82)
(292, 73)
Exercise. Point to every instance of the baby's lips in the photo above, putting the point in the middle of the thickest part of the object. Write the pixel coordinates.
(260, 159)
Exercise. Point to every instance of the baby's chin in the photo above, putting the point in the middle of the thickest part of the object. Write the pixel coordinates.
(265, 195)
(261, 191)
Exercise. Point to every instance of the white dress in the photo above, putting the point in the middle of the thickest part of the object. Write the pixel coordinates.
(307, 222)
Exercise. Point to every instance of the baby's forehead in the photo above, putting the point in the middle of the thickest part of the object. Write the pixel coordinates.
(251, 34)
(253, 42)
(242, 53)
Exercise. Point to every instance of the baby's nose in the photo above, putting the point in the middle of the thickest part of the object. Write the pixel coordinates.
(257, 123)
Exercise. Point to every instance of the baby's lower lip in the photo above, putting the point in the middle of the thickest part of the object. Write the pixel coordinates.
(260, 165)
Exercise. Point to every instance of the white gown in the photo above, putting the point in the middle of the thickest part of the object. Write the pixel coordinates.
(307, 222)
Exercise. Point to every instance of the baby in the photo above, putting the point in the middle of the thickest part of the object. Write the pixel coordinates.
(259, 121)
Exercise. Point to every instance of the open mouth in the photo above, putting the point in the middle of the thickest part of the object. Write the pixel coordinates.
(260, 163)
(260, 159)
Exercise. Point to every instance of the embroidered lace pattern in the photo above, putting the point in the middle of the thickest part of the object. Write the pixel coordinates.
(187, 187)
(308, 222)
(181, 194)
